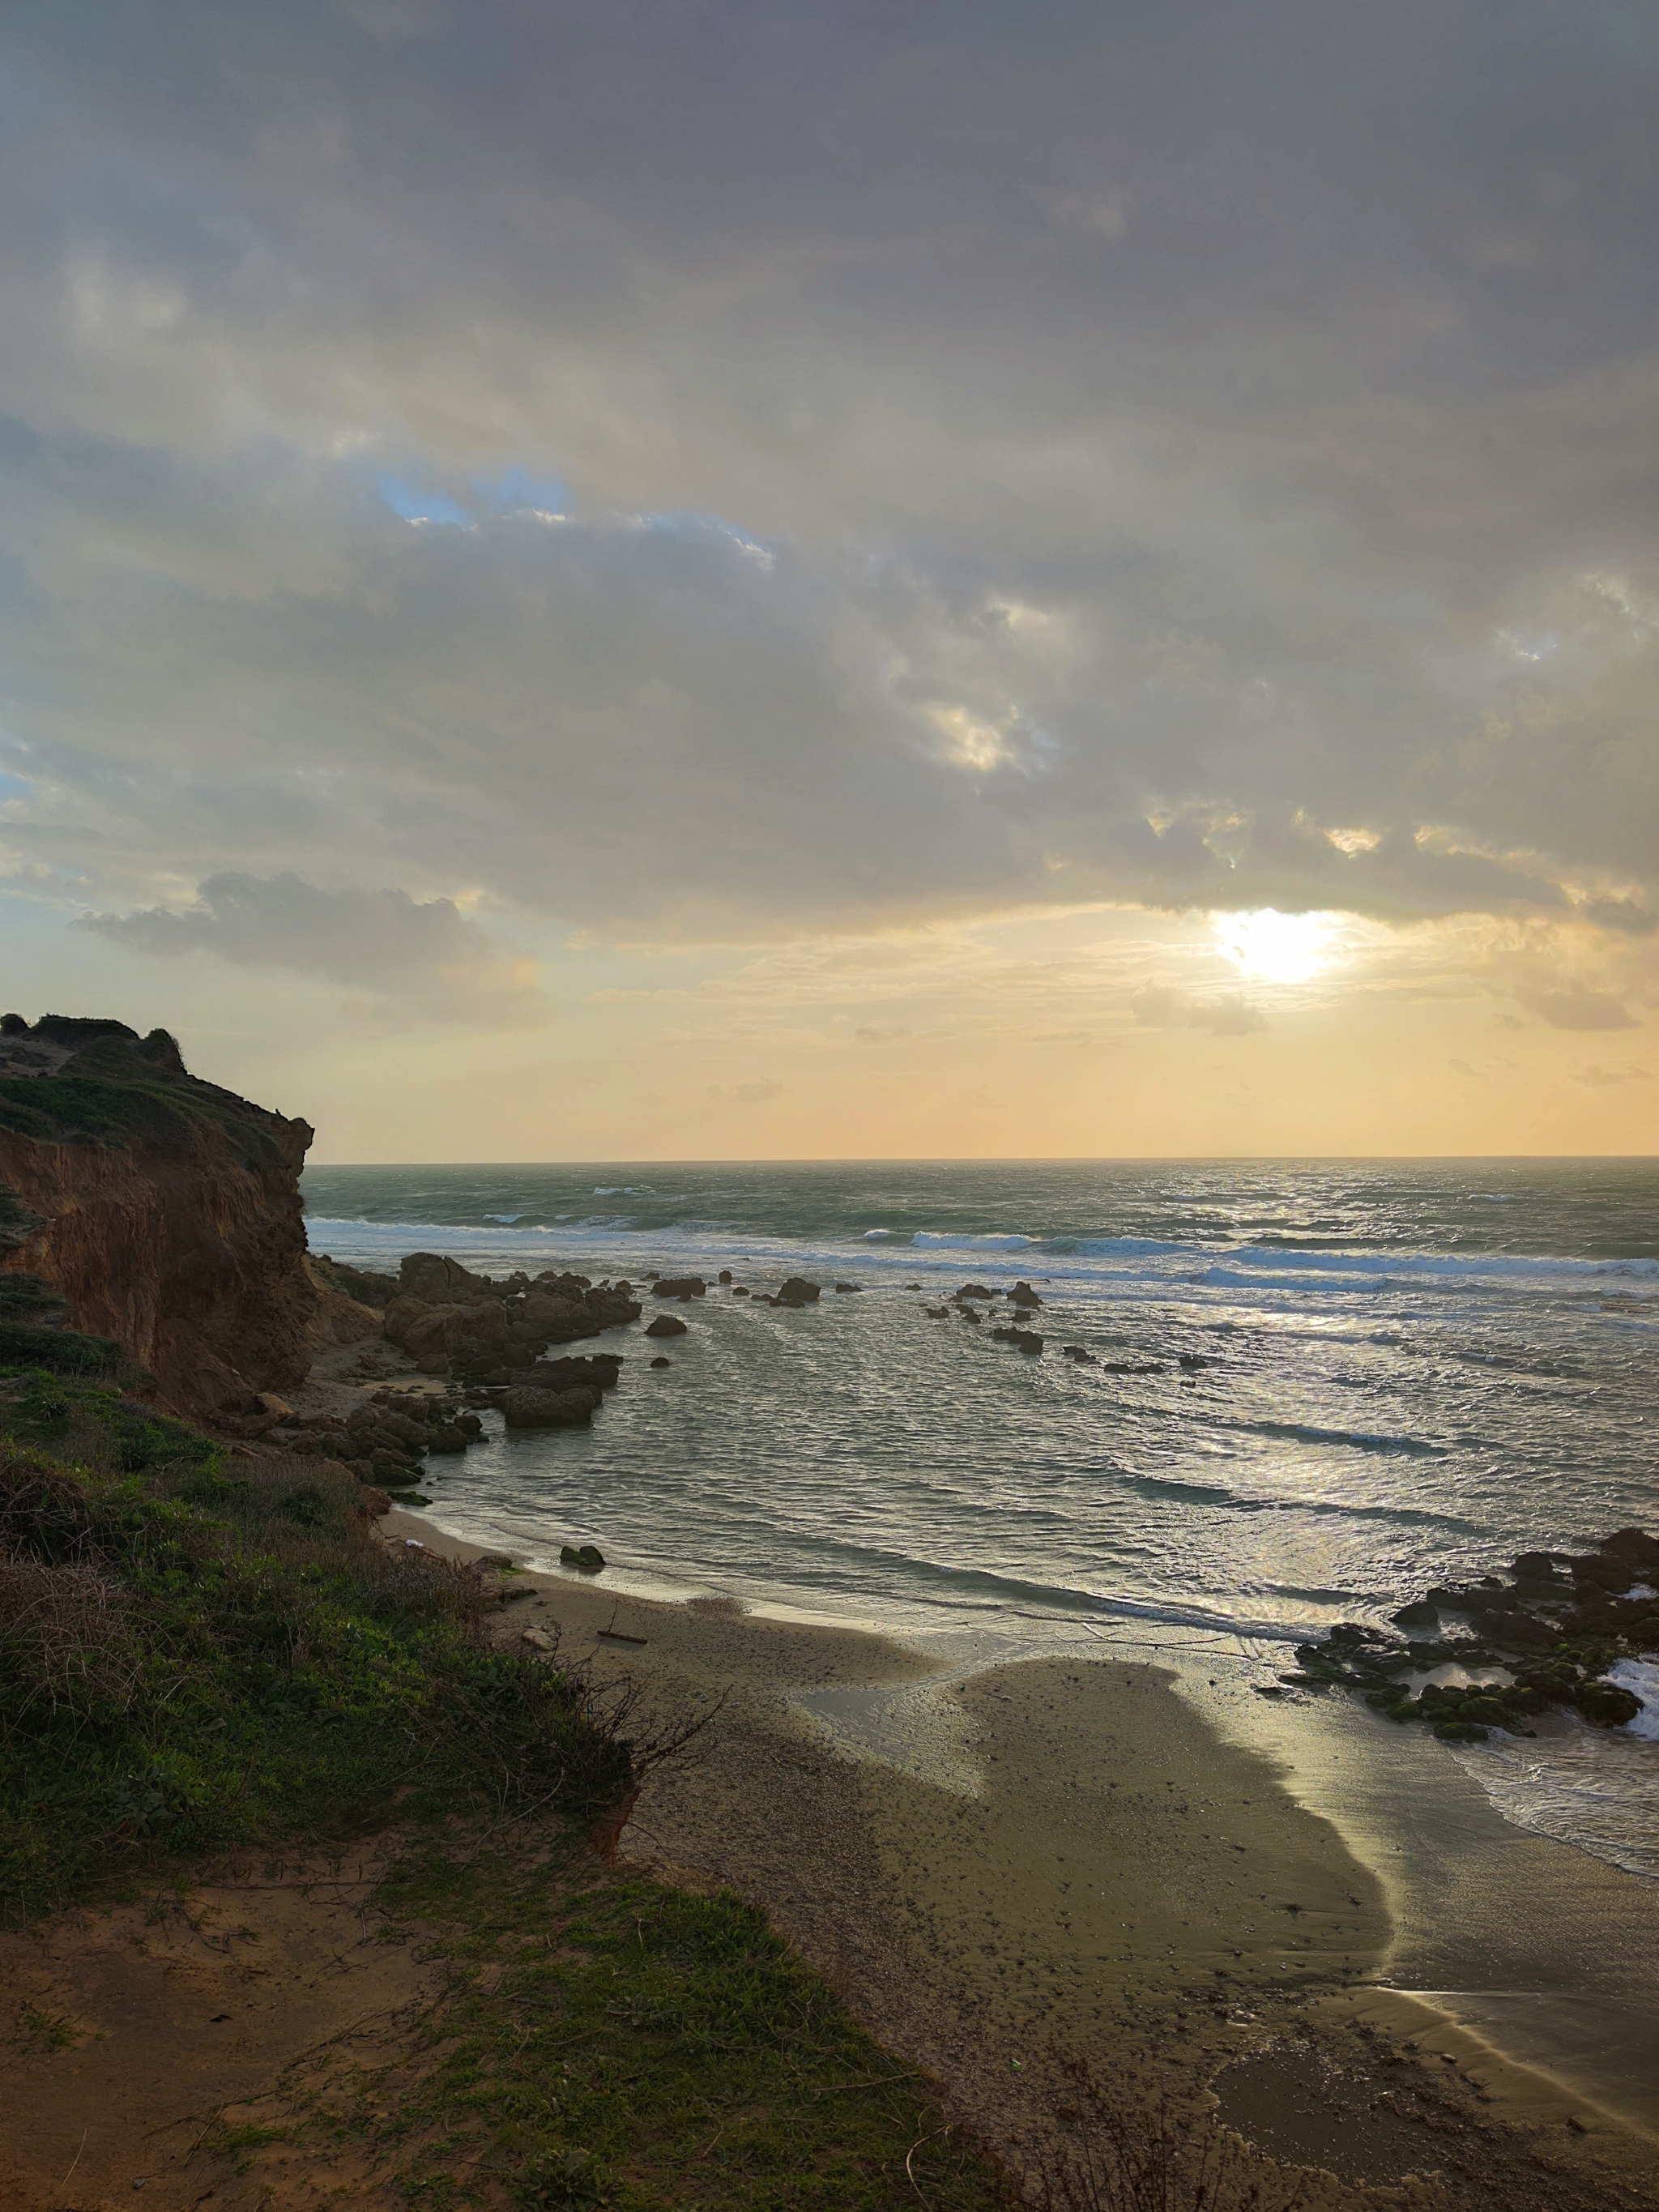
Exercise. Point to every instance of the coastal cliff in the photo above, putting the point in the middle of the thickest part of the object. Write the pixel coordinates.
(162, 1211)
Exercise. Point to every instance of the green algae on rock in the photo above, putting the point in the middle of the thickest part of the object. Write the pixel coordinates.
(1555, 1628)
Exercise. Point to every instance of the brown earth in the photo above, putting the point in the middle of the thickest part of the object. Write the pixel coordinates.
(126, 2034)
(164, 1211)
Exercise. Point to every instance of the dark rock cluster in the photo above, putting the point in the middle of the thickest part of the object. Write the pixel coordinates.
(383, 1442)
(1555, 1627)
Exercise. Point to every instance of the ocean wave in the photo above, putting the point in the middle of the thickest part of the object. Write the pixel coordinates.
(1302, 1432)
(1221, 1497)
(1450, 1264)
(1110, 1247)
(924, 1240)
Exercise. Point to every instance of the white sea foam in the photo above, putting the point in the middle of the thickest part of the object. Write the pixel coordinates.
(1641, 1678)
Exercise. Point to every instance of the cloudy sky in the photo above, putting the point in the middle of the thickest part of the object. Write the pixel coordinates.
(636, 578)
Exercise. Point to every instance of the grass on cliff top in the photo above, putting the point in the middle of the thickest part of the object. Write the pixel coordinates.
(197, 1651)
(608, 2042)
(114, 1089)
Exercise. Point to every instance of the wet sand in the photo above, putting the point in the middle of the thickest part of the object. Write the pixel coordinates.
(1065, 1855)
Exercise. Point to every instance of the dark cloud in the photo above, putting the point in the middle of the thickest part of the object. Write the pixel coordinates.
(427, 956)
(1004, 455)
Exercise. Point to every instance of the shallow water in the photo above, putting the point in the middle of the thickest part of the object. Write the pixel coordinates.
(1411, 1372)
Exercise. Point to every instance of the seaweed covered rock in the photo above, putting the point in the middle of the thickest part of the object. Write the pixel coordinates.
(1556, 1626)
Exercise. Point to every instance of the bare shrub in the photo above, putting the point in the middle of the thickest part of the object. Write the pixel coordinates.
(424, 1585)
(43, 1513)
(63, 1638)
(1119, 2152)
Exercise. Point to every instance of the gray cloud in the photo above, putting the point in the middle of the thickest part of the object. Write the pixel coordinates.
(1160, 1006)
(1010, 456)
(409, 954)
(1578, 1008)
(755, 1093)
(1602, 1079)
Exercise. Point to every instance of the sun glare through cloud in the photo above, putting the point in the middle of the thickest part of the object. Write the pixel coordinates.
(1266, 946)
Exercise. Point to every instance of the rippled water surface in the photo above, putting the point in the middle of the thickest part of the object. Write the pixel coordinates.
(1412, 1371)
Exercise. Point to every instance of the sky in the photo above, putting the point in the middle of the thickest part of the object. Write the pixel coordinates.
(637, 579)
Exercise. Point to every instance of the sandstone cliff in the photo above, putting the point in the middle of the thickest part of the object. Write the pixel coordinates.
(162, 1211)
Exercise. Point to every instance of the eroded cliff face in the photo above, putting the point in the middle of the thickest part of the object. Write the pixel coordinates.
(164, 1211)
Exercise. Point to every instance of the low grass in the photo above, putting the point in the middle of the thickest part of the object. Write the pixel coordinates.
(608, 2042)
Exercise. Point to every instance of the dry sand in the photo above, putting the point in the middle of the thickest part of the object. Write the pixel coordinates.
(1061, 1856)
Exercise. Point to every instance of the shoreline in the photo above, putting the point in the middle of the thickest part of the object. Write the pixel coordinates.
(1056, 1851)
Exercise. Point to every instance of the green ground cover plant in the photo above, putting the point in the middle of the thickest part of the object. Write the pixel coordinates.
(197, 1651)
(608, 2042)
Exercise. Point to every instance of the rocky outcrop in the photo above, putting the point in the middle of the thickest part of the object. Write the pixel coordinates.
(339, 1318)
(431, 1335)
(525, 1408)
(163, 1212)
(1555, 1629)
(361, 1284)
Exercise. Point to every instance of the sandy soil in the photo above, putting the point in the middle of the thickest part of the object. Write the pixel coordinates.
(1059, 1856)
(130, 2031)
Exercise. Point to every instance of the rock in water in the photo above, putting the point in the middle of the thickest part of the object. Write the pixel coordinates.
(589, 1556)
(798, 1292)
(679, 1286)
(523, 1408)
(661, 1361)
(1023, 1295)
(666, 1325)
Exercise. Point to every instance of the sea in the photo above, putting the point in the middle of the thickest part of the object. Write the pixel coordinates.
(1317, 1389)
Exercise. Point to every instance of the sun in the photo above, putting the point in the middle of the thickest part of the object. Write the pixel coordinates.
(1270, 947)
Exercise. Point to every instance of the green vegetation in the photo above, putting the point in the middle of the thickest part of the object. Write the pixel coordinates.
(116, 1086)
(28, 1307)
(608, 2042)
(196, 1651)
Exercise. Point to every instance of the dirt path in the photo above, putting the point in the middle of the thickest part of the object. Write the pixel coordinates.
(126, 2033)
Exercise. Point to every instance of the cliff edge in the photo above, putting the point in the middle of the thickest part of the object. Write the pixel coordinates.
(163, 1212)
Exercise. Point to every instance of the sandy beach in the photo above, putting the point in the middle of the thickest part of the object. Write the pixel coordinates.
(1006, 1867)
